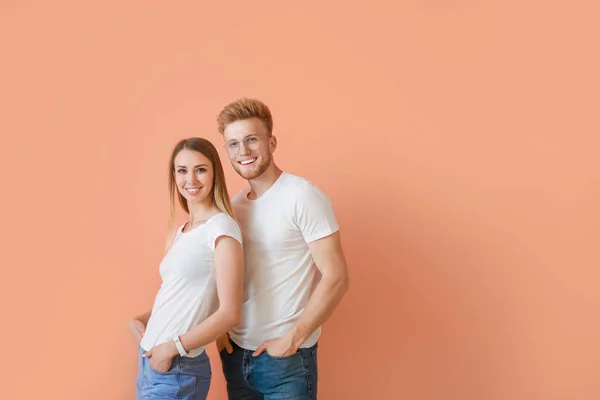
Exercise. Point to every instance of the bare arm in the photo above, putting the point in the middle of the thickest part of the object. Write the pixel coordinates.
(143, 318)
(329, 259)
(229, 268)
(138, 324)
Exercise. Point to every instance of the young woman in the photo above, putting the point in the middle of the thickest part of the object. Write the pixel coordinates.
(200, 298)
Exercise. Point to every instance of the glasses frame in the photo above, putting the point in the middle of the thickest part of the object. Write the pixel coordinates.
(249, 146)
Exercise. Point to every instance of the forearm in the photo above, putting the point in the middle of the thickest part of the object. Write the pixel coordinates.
(320, 306)
(144, 317)
(210, 329)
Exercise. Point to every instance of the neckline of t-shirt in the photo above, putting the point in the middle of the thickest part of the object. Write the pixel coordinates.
(199, 226)
(269, 190)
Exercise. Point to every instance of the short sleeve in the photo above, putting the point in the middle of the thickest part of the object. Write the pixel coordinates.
(313, 214)
(224, 226)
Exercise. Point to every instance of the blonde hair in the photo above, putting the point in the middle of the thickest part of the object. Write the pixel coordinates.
(245, 108)
(219, 188)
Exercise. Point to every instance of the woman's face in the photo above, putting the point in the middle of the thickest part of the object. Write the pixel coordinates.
(194, 176)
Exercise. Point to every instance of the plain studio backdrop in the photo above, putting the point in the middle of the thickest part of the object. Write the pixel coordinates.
(457, 139)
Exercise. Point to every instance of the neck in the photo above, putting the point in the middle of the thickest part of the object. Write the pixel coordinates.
(202, 211)
(262, 183)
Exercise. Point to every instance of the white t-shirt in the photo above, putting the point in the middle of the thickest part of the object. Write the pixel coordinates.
(280, 273)
(188, 294)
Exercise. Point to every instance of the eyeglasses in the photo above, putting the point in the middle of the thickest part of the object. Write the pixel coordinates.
(251, 142)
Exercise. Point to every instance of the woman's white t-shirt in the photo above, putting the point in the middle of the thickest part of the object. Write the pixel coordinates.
(188, 294)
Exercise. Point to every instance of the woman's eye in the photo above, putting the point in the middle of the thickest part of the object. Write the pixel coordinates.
(181, 171)
(201, 170)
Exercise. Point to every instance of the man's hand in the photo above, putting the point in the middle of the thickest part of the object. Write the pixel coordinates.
(161, 356)
(278, 347)
(224, 343)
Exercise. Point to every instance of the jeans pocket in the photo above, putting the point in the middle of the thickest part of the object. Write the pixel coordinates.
(282, 357)
(198, 367)
(193, 387)
(161, 384)
(172, 369)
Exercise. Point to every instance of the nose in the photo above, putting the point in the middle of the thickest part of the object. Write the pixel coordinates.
(192, 178)
(243, 150)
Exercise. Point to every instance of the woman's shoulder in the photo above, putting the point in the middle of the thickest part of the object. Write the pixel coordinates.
(224, 220)
(225, 225)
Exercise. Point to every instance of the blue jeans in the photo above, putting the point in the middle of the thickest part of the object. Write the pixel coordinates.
(188, 378)
(269, 378)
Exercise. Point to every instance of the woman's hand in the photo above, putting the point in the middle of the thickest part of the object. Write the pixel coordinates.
(161, 356)
(138, 329)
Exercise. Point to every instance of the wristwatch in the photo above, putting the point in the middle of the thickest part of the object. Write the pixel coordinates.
(179, 346)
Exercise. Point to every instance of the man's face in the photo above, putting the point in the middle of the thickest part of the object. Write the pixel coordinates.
(249, 147)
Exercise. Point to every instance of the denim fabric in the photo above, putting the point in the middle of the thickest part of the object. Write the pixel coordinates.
(188, 379)
(270, 378)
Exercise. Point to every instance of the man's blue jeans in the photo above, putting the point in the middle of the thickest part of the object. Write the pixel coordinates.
(270, 378)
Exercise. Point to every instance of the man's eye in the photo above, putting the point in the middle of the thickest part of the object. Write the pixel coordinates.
(251, 139)
(232, 145)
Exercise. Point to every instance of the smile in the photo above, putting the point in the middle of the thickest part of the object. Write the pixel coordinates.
(249, 161)
(192, 190)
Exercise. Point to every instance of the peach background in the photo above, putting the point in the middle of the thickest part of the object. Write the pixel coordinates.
(457, 139)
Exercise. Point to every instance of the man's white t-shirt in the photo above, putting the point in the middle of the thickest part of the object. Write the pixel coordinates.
(280, 273)
(188, 294)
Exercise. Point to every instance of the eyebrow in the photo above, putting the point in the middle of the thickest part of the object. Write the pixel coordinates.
(199, 165)
(247, 136)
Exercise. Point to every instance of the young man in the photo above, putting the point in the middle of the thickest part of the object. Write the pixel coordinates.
(295, 267)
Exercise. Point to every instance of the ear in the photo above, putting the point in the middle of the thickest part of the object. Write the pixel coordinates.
(272, 143)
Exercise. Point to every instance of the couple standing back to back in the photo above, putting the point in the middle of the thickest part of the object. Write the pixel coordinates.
(264, 301)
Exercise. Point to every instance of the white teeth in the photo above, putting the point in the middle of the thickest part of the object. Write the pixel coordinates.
(246, 162)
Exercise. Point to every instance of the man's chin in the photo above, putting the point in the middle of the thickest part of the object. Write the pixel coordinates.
(249, 174)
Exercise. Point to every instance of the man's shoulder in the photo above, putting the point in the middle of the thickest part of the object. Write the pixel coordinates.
(302, 188)
(299, 184)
